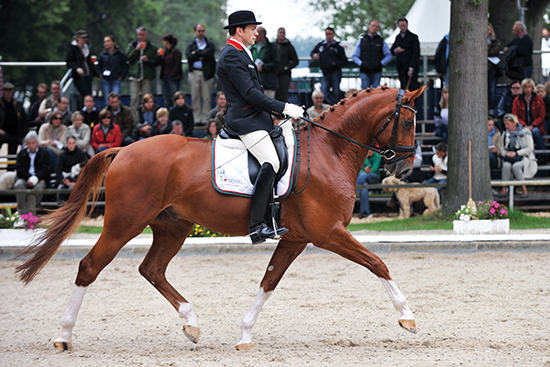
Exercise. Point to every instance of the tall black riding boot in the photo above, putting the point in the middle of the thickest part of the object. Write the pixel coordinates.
(259, 230)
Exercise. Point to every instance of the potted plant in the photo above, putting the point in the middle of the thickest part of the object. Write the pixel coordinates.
(15, 228)
(485, 218)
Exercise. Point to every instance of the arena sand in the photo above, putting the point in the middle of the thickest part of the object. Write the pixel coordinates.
(485, 309)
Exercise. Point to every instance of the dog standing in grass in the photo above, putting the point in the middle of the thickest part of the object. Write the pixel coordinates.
(408, 195)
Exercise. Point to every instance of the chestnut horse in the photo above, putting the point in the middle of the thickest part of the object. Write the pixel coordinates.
(165, 182)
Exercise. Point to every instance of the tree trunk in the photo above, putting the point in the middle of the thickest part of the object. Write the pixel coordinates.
(467, 104)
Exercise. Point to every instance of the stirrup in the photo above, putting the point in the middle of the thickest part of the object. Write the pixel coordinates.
(263, 232)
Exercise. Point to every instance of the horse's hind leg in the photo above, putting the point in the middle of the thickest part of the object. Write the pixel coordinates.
(168, 237)
(284, 255)
(344, 244)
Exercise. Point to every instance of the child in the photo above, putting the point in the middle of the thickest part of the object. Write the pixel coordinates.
(439, 167)
(162, 125)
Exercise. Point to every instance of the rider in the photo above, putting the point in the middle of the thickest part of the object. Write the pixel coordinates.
(249, 113)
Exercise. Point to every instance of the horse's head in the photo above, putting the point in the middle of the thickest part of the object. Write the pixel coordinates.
(396, 135)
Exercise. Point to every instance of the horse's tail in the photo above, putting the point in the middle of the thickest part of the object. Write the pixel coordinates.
(63, 221)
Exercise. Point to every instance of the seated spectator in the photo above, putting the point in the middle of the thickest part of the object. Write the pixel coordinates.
(369, 175)
(441, 115)
(517, 152)
(529, 109)
(82, 133)
(212, 130)
(221, 105)
(439, 167)
(507, 101)
(147, 116)
(112, 67)
(52, 136)
(69, 165)
(62, 106)
(495, 144)
(35, 117)
(90, 112)
(13, 120)
(171, 72)
(177, 128)
(546, 99)
(33, 171)
(49, 102)
(107, 134)
(183, 113)
(121, 116)
(162, 125)
(318, 106)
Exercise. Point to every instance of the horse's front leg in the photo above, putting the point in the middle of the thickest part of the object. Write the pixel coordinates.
(285, 253)
(344, 244)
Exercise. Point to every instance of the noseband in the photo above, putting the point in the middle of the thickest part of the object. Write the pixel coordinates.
(389, 153)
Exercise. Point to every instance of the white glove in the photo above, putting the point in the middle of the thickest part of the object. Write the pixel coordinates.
(293, 110)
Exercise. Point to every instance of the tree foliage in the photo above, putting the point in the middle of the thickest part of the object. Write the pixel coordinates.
(350, 18)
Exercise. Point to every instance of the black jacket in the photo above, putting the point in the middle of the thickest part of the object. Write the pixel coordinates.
(248, 108)
(171, 61)
(441, 61)
(115, 65)
(20, 116)
(41, 164)
(75, 59)
(524, 49)
(193, 54)
(411, 56)
(185, 115)
(332, 57)
(67, 160)
(287, 57)
(372, 53)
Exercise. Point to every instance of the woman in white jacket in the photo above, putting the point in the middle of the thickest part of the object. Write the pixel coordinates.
(517, 152)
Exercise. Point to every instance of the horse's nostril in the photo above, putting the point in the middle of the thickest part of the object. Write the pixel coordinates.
(406, 172)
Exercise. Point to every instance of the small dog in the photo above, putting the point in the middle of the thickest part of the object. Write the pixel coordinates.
(408, 195)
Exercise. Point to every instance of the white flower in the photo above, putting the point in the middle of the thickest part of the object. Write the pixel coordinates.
(465, 217)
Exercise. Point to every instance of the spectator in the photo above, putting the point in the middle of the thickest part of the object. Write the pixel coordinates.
(546, 99)
(13, 120)
(442, 60)
(495, 144)
(441, 115)
(52, 136)
(162, 125)
(221, 105)
(90, 112)
(79, 60)
(112, 67)
(529, 109)
(202, 67)
(35, 117)
(369, 175)
(82, 133)
(519, 53)
(177, 128)
(406, 49)
(69, 165)
(493, 71)
(318, 106)
(33, 171)
(266, 58)
(147, 116)
(106, 134)
(171, 72)
(439, 167)
(213, 130)
(288, 60)
(506, 102)
(49, 103)
(517, 152)
(371, 54)
(142, 59)
(121, 116)
(62, 106)
(181, 112)
(332, 58)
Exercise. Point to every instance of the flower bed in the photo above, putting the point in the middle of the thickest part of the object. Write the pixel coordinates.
(485, 218)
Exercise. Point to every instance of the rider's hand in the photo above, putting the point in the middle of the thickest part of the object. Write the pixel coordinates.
(293, 110)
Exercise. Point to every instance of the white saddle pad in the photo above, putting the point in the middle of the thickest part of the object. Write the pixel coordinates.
(230, 169)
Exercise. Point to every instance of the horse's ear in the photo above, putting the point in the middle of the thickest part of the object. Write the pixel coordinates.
(415, 94)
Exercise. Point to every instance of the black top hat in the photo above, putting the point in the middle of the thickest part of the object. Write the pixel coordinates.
(241, 18)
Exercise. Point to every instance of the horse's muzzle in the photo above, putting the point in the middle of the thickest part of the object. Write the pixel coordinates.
(399, 169)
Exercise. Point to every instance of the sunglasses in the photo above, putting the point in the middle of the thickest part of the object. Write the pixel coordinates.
(106, 117)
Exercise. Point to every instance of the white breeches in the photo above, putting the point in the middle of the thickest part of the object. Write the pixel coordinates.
(260, 145)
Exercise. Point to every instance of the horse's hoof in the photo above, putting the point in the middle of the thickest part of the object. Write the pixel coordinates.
(408, 325)
(246, 346)
(63, 346)
(192, 333)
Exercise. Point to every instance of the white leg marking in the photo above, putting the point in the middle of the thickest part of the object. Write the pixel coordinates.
(71, 312)
(398, 299)
(186, 311)
(251, 315)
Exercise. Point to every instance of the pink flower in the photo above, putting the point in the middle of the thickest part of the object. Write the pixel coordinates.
(492, 211)
(503, 211)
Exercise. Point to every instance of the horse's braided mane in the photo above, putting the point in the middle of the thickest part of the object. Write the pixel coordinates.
(352, 96)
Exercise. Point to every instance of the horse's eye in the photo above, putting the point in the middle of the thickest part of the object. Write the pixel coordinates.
(407, 124)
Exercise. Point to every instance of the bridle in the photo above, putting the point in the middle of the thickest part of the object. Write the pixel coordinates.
(389, 153)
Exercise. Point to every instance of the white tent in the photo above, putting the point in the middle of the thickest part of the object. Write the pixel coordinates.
(430, 20)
